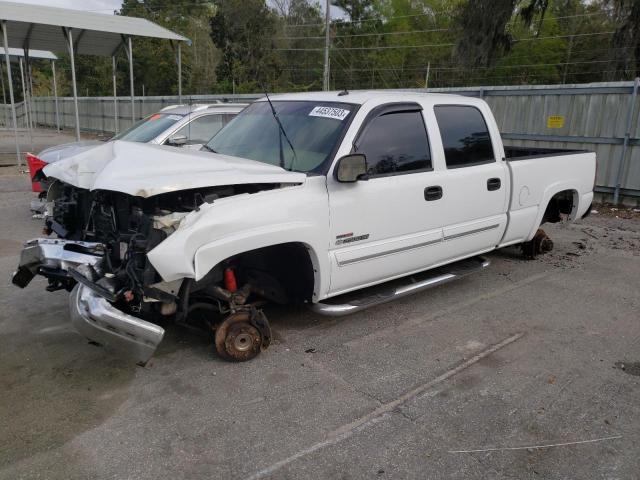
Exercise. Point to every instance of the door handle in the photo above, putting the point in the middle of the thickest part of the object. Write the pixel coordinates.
(433, 193)
(493, 184)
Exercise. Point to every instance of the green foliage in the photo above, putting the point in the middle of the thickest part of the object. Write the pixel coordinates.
(245, 46)
(243, 31)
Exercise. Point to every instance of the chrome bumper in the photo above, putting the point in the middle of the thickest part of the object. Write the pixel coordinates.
(55, 255)
(99, 321)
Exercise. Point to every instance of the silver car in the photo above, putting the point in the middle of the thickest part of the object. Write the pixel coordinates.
(186, 126)
(189, 126)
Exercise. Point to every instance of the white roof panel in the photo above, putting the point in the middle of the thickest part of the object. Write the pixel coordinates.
(15, 53)
(93, 33)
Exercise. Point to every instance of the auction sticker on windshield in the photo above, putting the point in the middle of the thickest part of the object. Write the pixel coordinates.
(329, 112)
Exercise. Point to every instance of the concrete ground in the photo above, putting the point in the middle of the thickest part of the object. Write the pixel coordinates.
(523, 371)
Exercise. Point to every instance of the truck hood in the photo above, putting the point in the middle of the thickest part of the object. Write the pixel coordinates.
(146, 170)
(66, 150)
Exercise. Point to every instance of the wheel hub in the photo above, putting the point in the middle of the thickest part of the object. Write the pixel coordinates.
(242, 342)
(238, 339)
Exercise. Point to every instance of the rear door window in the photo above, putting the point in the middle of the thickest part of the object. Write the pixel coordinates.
(465, 136)
(202, 129)
(148, 128)
(395, 143)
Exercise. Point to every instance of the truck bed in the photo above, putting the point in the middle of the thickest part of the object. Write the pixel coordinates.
(527, 153)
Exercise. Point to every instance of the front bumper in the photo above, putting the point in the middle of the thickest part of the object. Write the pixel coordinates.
(91, 314)
(99, 321)
(53, 257)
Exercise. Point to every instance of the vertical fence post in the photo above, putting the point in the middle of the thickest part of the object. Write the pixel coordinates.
(179, 72)
(3, 24)
(55, 93)
(69, 37)
(130, 54)
(115, 94)
(625, 144)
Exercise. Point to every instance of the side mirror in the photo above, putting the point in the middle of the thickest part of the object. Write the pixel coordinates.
(177, 140)
(352, 168)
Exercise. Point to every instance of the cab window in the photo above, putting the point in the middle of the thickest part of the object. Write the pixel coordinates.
(395, 143)
(465, 136)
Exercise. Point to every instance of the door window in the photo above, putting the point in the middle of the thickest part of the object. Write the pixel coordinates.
(465, 136)
(202, 129)
(395, 143)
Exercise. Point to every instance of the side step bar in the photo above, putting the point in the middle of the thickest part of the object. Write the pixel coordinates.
(356, 301)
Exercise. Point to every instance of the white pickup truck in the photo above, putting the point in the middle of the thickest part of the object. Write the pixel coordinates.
(340, 200)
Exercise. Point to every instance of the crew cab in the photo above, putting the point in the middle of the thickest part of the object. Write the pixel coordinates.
(340, 200)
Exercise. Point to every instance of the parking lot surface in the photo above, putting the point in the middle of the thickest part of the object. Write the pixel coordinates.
(525, 370)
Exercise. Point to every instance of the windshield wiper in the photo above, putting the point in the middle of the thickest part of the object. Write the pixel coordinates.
(282, 134)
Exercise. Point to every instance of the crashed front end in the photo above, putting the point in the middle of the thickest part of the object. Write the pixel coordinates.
(100, 256)
(108, 208)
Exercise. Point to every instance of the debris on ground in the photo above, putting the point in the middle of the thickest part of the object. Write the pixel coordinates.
(632, 368)
(626, 213)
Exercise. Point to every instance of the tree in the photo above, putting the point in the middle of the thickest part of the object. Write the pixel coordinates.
(484, 36)
(626, 38)
(244, 32)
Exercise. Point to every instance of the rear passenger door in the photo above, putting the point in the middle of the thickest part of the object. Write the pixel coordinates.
(385, 226)
(474, 181)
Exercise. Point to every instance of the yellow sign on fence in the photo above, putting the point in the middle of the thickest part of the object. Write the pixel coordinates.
(555, 121)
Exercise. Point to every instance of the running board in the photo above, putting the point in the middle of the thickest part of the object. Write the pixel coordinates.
(353, 302)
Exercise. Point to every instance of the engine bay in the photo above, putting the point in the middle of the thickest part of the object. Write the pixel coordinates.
(128, 227)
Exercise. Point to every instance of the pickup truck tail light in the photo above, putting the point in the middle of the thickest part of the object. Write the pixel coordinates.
(35, 165)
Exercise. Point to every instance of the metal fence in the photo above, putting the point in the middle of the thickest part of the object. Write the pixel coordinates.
(602, 117)
(98, 114)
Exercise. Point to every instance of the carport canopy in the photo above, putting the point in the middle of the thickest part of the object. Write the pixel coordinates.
(16, 54)
(75, 31)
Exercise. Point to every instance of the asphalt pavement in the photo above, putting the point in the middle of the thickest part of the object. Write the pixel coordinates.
(527, 370)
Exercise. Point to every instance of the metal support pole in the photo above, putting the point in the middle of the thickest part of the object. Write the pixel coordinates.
(13, 103)
(25, 103)
(34, 121)
(625, 144)
(24, 94)
(55, 93)
(4, 93)
(130, 55)
(74, 86)
(426, 78)
(327, 41)
(4, 98)
(115, 94)
(179, 72)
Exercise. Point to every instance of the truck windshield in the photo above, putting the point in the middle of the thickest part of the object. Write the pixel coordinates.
(312, 127)
(148, 128)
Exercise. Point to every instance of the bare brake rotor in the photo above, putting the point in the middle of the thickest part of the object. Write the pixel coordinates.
(241, 336)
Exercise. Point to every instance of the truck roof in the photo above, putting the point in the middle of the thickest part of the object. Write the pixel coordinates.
(223, 107)
(361, 96)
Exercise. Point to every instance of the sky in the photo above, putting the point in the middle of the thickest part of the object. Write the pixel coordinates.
(97, 6)
(108, 6)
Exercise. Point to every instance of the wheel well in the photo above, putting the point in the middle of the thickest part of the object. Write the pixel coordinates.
(281, 273)
(562, 203)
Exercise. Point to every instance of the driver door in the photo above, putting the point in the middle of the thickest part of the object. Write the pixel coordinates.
(390, 224)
